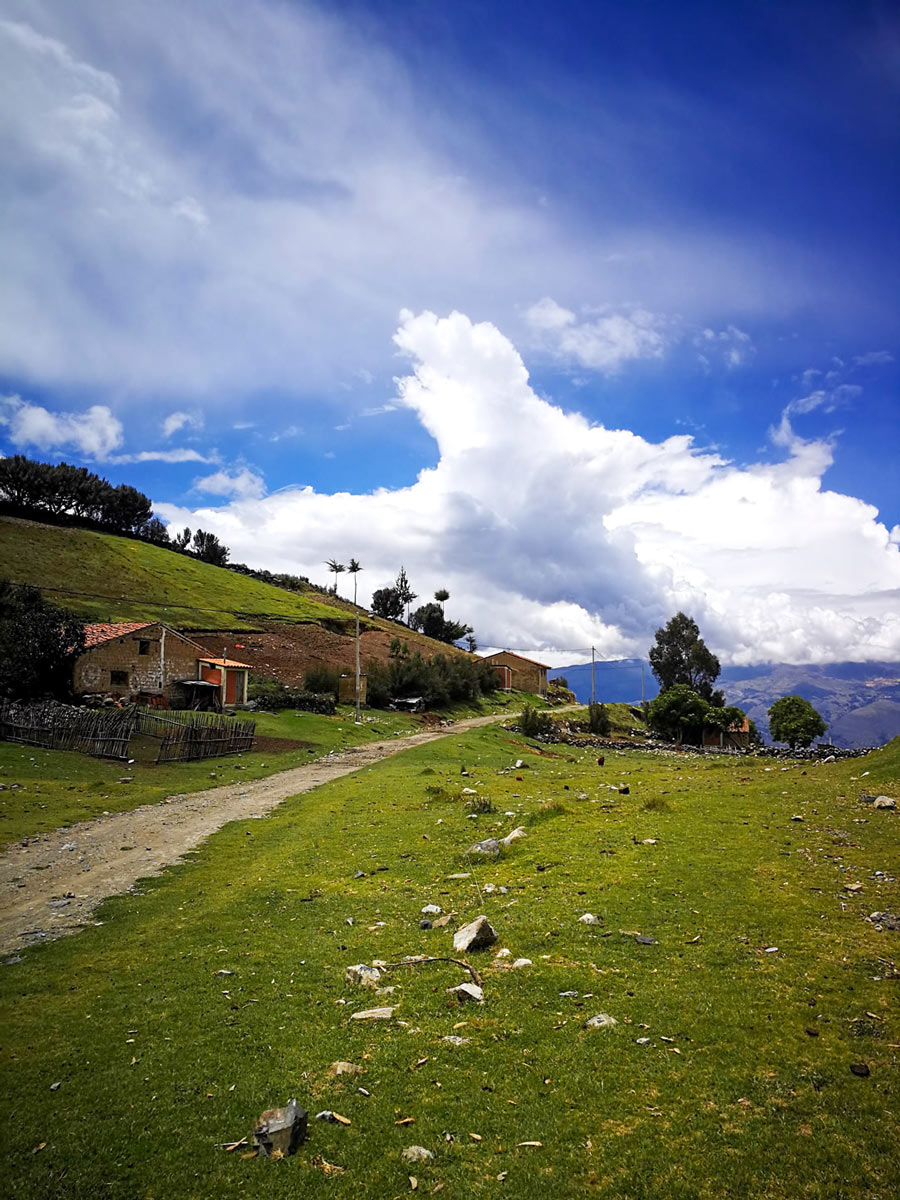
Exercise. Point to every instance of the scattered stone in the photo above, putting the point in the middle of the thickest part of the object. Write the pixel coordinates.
(885, 920)
(339, 1068)
(279, 1131)
(519, 764)
(130, 779)
(571, 995)
(333, 1117)
(649, 841)
(601, 1021)
(461, 875)
(424, 924)
(372, 1014)
(453, 1039)
(513, 837)
(589, 919)
(413, 1154)
(70, 846)
(521, 962)
(489, 848)
(643, 1041)
(625, 790)
(884, 802)
(348, 921)
(359, 875)
(477, 935)
(364, 1091)
(860, 1069)
(469, 792)
(442, 921)
(223, 972)
(54, 1087)
(853, 887)
(467, 991)
(432, 910)
(644, 939)
(361, 975)
(796, 817)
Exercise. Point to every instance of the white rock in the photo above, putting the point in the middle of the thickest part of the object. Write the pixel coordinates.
(589, 919)
(477, 935)
(601, 1021)
(513, 837)
(372, 1014)
(414, 1154)
(519, 764)
(453, 1039)
(360, 975)
(467, 991)
(884, 802)
(469, 792)
(522, 962)
(489, 848)
(504, 953)
(432, 910)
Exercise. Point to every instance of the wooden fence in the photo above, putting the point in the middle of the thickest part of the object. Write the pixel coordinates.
(104, 734)
(184, 736)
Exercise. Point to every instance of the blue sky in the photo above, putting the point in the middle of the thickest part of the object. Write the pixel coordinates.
(225, 229)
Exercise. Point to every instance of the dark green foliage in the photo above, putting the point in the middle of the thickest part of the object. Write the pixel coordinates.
(156, 532)
(678, 713)
(64, 490)
(272, 696)
(431, 621)
(386, 603)
(535, 723)
(598, 719)
(680, 656)
(322, 679)
(794, 720)
(39, 643)
(439, 681)
(208, 548)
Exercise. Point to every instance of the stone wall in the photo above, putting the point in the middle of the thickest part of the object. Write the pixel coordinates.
(118, 667)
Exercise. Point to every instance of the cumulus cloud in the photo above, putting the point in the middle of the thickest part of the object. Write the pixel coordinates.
(96, 432)
(243, 484)
(553, 534)
(604, 343)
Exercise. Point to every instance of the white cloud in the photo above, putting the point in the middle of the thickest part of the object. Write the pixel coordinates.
(165, 456)
(731, 346)
(95, 432)
(181, 420)
(874, 358)
(553, 534)
(243, 484)
(605, 343)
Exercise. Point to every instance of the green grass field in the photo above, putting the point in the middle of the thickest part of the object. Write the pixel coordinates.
(140, 582)
(763, 985)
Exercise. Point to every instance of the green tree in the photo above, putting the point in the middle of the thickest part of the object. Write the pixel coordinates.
(794, 720)
(678, 712)
(405, 592)
(386, 603)
(431, 621)
(598, 717)
(333, 565)
(680, 656)
(39, 643)
(208, 548)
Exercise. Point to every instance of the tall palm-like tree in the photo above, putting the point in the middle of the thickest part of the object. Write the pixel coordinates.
(354, 569)
(442, 595)
(333, 565)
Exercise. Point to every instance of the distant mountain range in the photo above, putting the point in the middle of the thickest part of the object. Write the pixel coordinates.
(859, 701)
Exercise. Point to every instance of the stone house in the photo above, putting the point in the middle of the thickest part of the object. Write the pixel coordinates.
(735, 738)
(516, 671)
(148, 661)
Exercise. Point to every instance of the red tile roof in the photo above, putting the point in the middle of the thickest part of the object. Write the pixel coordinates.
(96, 635)
(224, 662)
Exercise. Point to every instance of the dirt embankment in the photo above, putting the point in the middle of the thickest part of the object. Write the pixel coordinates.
(51, 885)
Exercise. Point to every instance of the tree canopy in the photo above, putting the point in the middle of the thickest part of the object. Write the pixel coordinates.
(794, 720)
(431, 621)
(39, 643)
(680, 656)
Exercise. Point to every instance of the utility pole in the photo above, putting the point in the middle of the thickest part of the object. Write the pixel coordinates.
(593, 678)
(354, 568)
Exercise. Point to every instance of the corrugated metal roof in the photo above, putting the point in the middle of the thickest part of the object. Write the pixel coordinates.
(108, 631)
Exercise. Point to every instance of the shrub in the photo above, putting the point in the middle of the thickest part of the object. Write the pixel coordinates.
(535, 723)
(272, 696)
(322, 679)
(598, 720)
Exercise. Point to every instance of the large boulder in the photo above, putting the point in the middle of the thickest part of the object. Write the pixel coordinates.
(477, 935)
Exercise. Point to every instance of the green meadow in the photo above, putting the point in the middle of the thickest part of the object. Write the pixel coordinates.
(130, 1058)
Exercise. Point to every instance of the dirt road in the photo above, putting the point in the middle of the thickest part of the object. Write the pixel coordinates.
(52, 885)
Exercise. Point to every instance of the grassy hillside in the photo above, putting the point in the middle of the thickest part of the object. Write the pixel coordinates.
(109, 578)
(755, 1050)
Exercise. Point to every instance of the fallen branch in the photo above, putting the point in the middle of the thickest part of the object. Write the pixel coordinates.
(418, 962)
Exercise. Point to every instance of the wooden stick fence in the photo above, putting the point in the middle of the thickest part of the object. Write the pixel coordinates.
(185, 736)
(104, 734)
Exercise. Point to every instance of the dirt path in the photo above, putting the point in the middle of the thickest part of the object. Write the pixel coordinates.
(52, 885)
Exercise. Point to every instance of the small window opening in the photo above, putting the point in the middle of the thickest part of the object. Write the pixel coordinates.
(118, 678)
(143, 647)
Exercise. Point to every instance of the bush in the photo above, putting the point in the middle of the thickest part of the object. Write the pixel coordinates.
(535, 723)
(440, 681)
(598, 720)
(272, 696)
(322, 679)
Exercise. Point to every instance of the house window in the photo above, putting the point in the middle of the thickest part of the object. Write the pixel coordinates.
(143, 647)
(118, 678)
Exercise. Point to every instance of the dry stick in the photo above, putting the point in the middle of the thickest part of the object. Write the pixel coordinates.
(418, 962)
